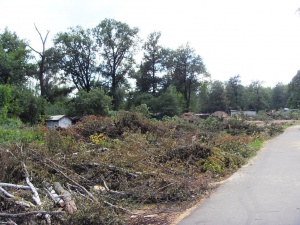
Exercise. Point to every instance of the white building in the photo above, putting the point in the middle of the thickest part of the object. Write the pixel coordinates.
(58, 121)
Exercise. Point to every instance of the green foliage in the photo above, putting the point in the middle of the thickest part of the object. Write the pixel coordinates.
(279, 96)
(294, 93)
(234, 91)
(14, 131)
(170, 103)
(143, 109)
(14, 59)
(117, 42)
(147, 79)
(77, 52)
(57, 108)
(259, 98)
(94, 102)
(211, 124)
(5, 95)
(256, 144)
(217, 97)
(187, 68)
(19, 102)
(28, 105)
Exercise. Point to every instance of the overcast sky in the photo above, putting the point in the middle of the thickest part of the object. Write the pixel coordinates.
(257, 39)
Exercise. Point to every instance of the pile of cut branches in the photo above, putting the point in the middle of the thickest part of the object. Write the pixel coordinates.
(123, 170)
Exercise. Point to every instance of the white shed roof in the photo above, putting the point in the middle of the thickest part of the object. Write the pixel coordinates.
(55, 118)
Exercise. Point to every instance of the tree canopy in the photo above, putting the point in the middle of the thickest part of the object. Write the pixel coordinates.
(108, 67)
(14, 59)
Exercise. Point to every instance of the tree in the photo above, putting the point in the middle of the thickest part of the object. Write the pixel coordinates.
(294, 91)
(258, 96)
(170, 102)
(77, 52)
(14, 59)
(117, 42)
(152, 64)
(217, 97)
(18, 102)
(234, 92)
(279, 96)
(41, 63)
(85, 103)
(187, 69)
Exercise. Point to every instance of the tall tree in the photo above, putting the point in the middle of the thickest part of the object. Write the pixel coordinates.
(14, 59)
(259, 97)
(187, 71)
(152, 64)
(42, 61)
(294, 91)
(217, 97)
(77, 51)
(117, 42)
(234, 89)
(279, 96)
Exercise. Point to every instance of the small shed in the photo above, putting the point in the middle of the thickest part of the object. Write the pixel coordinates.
(58, 121)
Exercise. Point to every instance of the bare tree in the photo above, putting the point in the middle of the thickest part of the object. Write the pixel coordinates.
(41, 63)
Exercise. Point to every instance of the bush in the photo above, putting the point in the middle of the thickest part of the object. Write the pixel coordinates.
(94, 102)
(19, 102)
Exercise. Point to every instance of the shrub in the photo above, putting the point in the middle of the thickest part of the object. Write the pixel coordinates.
(94, 102)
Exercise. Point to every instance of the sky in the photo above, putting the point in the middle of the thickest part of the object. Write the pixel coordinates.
(256, 39)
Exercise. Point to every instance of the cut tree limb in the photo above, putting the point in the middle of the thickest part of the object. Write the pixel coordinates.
(70, 205)
(24, 204)
(21, 203)
(15, 186)
(78, 185)
(54, 166)
(6, 193)
(35, 196)
(17, 215)
(10, 222)
(54, 196)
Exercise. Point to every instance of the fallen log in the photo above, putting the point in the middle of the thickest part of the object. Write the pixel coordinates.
(54, 196)
(70, 205)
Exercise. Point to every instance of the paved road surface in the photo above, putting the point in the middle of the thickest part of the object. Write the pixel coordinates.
(265, 192)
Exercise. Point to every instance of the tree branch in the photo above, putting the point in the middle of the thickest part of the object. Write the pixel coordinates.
(14, 186)
(17, 215)
(35, 196)
(6, 193)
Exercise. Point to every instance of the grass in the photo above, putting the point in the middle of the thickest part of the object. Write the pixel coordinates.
(256, 144)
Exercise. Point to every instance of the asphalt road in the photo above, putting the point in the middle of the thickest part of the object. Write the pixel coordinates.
(264, 192)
